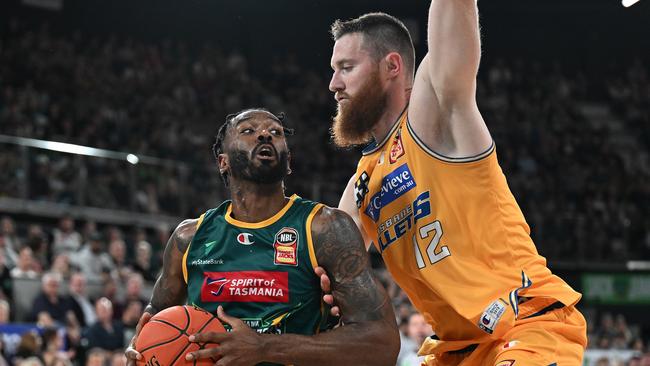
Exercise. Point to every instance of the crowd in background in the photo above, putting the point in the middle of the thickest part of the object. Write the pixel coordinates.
(581, 184)
(579, 171)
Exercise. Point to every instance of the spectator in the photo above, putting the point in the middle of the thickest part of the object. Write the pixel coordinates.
(92, 260)
(81, 306)
(37, 240)
(66, 239)
(96, 357)
(61, 265)
(49, 301)
(117, 251)
(134, 287)
(142, 264)
(106, 333)
(5, 312)
(418, 331)
(130, 318)
(53, 347)
(8, 233)
(7, 252)
(118, 359)
(6, 282)
(26, 266)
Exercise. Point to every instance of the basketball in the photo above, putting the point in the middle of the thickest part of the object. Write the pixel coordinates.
(164, 341)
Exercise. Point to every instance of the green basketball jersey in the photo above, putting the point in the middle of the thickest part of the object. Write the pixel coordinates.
(261, 272)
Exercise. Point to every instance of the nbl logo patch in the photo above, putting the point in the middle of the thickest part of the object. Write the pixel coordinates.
(286, 247)
(361, 188)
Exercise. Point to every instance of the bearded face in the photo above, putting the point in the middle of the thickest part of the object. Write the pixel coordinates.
(245, 165)
(357, 114)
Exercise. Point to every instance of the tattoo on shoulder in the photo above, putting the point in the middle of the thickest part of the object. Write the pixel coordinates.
(183, 234)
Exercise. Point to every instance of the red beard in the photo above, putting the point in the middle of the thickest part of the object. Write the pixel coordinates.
(355, 119)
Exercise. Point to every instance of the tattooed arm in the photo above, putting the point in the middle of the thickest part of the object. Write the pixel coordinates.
(369, 334)
(170, 288)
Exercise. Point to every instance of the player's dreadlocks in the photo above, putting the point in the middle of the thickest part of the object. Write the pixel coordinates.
(217, 147)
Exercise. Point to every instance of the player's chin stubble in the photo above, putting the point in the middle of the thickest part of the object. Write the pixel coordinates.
(355, 117)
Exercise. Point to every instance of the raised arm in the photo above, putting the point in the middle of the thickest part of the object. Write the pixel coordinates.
(443, 109)
(369, 334)
(170, 289)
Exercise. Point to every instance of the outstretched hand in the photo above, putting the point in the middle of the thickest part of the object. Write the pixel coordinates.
(242, 346)
(131, 354)
(326, 286)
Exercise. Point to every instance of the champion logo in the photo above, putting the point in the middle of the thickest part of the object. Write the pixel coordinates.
(245, 239)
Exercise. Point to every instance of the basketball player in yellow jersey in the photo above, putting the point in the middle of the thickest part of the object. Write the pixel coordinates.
(431, 196)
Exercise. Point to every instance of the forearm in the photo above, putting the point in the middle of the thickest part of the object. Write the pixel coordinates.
(370, 343)
(165, 294)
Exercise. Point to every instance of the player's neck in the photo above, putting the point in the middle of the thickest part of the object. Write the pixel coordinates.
(396, 103)
(253, 202)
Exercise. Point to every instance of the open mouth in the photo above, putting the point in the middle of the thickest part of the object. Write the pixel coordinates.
(265, 152)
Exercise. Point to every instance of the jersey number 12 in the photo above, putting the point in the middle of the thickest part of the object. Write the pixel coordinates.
(434, 253)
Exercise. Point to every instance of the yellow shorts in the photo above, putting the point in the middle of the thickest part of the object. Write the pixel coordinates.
(558, 337)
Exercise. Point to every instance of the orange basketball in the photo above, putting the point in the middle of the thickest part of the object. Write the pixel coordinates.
(163, 341)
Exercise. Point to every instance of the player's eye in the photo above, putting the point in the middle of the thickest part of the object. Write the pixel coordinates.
(276, 132)
(247, 131)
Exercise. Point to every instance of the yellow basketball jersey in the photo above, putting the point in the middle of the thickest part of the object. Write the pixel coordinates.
(452, 236)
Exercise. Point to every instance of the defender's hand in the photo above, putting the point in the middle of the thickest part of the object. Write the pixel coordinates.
(131, 354)
(242, 346)
(326, 286)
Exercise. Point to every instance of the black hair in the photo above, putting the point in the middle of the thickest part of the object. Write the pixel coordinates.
(217, 146)
(382, 34)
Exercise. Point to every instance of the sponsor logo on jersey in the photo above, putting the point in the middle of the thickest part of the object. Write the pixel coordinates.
(506, 363)
(392, 228)
(510, 344)
(208, 246)
(491, 316)
(286, 247)
(361, 188)
(245, 239)
(245, 286)
(393, 186)
(202, 262)
(396, 149)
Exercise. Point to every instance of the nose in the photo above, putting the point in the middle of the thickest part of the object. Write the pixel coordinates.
(336, 84)
(264, 136)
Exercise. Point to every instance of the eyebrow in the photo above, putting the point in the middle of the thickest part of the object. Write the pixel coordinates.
(339, 63)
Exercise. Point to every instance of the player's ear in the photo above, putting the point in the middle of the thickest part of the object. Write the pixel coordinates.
(223, 163)
(392, 64)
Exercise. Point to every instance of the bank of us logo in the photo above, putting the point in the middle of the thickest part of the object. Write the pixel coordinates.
(245, 239)
(361, 188)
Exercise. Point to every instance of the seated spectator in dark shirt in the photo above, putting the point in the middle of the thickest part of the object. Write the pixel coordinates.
(81, 306)
(49, 300)
(106, 333)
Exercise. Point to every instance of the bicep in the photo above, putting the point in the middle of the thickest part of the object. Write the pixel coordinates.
(170, 288)
(340, 250)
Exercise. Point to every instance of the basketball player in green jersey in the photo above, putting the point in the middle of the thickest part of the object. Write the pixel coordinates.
(251, 261)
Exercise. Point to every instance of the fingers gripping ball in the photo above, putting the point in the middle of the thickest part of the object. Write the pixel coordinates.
(163, 341)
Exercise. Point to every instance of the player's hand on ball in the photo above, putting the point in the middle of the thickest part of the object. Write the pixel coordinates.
(242, 346)
(131, 354)
(326, 286)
